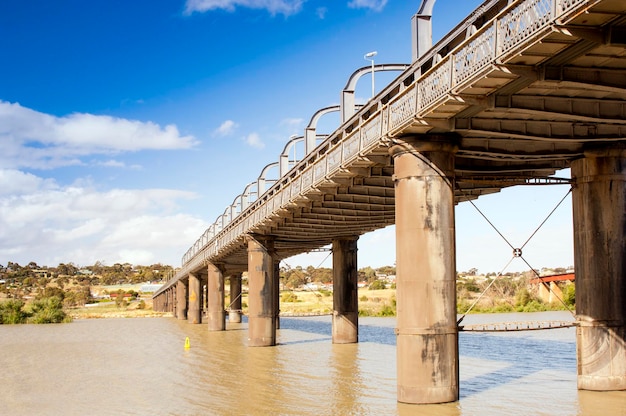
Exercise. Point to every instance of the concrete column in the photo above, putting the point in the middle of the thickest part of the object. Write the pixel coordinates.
(276, 287)
(599, 214)
(234, 315)
(216, 315)
(345, 291)
(427, 335)
(262, 313)
(181, 300)
(194, 313)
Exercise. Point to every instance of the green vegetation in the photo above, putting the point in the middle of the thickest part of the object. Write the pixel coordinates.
(41, 294)
(508, 294)
(11, 312)
(377, 285)
(289, 297)
(41, 311)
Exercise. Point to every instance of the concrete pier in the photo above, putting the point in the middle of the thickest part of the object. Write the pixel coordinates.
(599, 214)
(262, 305)
(276, 287)
(427, 335)
(345, 296)
(181, 300)
(194, 314)
(234, 314)
(216, 315)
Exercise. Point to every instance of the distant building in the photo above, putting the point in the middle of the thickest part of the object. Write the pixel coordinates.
(150, 288)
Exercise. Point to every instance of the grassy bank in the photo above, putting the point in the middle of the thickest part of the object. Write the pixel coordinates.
(293, 303)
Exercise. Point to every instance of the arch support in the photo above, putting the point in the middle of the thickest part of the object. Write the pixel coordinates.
(422, 29)
(427, 336)
(599, 215)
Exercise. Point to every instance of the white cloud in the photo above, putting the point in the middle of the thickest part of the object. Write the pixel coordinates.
(284, 7)
(36, 140)
(321, 12)
(254, 140)
(376, 5)
(15, 182)
(112, 163)
(43, 222)
(227, 128)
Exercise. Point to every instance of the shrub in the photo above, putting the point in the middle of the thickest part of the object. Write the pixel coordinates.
(387, 310)
(289, 297)
(47, 311)
(11, 312)
(377, 285)
(569, 294)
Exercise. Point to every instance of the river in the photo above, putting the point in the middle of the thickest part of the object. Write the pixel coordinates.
(140, 367)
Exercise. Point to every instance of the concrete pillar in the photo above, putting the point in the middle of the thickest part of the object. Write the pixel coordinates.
(427, 335)
(181, 300)
(276, 294)
(234, 314)
(216, 315)
(261, 308)
(345, 291)
(599, 214)
(194, 312)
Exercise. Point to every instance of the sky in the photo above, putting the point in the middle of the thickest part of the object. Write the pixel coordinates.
(127, 127)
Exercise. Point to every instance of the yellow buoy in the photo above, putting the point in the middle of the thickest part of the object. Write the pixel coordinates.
(187, 343)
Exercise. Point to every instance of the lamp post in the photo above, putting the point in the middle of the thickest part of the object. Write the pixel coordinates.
(370, 57)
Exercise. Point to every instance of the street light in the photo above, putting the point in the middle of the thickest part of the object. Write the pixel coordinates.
(370, 57)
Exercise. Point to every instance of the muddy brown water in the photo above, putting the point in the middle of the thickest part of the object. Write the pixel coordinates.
(140, 367)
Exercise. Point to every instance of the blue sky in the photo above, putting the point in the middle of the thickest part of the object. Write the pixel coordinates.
(127, 127)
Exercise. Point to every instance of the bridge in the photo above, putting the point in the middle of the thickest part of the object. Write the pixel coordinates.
(515, 92)
(548, 290)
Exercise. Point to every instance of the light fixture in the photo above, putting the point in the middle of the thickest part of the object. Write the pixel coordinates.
(370, 57)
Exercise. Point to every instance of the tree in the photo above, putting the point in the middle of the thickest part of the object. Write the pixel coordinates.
(294, 278)
(367, 273)
(47, 311)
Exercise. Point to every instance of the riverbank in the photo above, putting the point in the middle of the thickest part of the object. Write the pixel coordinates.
(295, 303)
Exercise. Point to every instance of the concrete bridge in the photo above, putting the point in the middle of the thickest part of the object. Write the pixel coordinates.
(547, 287)
(518, 90)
